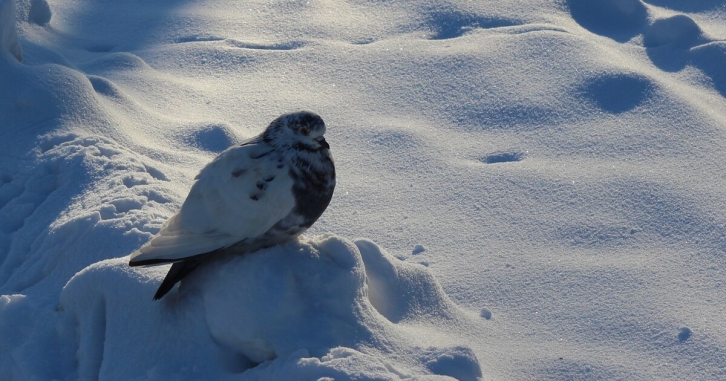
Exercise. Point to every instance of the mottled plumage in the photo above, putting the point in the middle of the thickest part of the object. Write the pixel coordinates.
(260, 193)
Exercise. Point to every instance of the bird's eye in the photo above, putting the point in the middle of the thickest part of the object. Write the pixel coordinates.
(304, 131)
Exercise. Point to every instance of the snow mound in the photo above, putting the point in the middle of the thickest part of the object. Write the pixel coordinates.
(688, 6)
(324, 307)
(213, 137)
(8, 35)
(401, 291)
(680, 30)
(677, 42)
(37, 244)
(710, 58)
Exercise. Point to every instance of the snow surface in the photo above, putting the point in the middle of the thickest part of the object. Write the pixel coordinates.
(8, 35)
(541, 185)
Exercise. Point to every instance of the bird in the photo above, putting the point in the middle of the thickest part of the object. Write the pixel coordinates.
(262, 192)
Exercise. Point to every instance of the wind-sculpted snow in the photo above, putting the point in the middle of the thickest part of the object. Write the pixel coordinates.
(542, 184)
(297, 309)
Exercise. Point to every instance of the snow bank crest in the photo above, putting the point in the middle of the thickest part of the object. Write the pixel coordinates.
(302, 309)
(8, 35)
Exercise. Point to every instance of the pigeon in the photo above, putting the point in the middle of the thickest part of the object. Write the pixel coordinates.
(260, 193)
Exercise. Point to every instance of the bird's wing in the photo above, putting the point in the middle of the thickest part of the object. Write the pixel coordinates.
(239, 195)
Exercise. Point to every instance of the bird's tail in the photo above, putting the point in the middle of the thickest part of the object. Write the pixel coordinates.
(177, 272)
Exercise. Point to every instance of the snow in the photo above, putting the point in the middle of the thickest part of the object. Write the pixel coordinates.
(8, 35)
(540, 183)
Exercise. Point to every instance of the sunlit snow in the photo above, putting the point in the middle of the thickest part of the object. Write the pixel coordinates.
(540, 186)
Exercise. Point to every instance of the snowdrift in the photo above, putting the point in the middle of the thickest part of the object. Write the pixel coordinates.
(555, 167)
(303, 310)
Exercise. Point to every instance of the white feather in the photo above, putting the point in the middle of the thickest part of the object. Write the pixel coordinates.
(220, 210)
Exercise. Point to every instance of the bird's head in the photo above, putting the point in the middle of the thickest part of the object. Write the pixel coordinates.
(301, 130)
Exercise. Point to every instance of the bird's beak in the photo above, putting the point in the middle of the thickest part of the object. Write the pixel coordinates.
(322, 142)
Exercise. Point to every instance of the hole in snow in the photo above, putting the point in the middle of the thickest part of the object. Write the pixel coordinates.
(503, 157)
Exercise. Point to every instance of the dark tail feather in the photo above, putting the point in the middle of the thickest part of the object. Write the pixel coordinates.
(176, 273)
